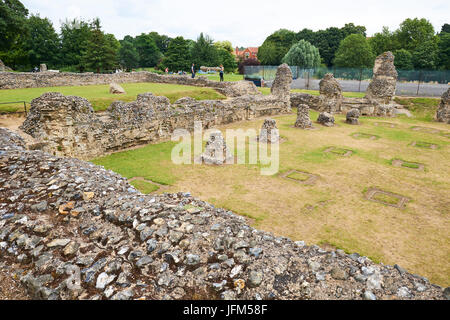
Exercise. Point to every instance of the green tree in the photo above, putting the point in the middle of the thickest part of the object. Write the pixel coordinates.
(275, 47)
(445, 28)
(327, 41)
(101, 50)
(74, 38)
(203, 52)
(42, 43)
(383, 41)
(426, 55)
(414, 32)
(444, 51)
(350, 28)
(302, 54)
(161, 41)
(149, 54)
(13, 16)
(177, 56)
(403, 59)
(227, 59)
(128, 55)
(225, 45)
(354, 52)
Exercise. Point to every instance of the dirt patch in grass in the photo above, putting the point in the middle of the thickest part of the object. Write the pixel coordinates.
(300, 176)
(407, 164)
(425, 145)
(339, 151)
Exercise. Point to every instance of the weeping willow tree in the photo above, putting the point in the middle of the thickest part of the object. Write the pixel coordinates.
(302, 54)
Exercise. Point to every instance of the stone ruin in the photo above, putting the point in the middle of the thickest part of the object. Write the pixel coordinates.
(68, 126)
(326, 119)
(352, 116)
(216, 151)
(269, 132)
(330, 98)
(303, 121)
(443, 111)
(281, 86)
(378, 100)
(43, 67)
(61, 217)
(207, 69)
(382, 87)
(114, 88)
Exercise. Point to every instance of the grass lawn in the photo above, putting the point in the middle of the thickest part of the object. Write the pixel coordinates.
(100, 98)
(415, 237)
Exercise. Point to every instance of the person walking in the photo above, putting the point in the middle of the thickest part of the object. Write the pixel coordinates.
(193, 71)
(221, 73)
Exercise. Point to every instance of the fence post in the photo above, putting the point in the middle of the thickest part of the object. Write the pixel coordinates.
(25, 107)
(418, 85)
(360, 76)
(307, 83)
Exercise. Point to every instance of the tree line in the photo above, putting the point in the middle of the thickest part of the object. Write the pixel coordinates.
(29, 40)
(415, 45)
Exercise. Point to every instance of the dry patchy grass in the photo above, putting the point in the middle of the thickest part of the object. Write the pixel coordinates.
(338, 214)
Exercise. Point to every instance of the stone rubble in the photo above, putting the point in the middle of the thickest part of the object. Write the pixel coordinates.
(326, 119)
(443, 111)
(126, 245)
(352, 116)
(378, 100)
(303, 121)
(114, 88)
(216, 151)
(269, 132)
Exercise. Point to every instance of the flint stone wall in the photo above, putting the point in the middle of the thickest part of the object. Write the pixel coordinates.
(443, 111)
(51, 79)
(68, 125)
(60, 215)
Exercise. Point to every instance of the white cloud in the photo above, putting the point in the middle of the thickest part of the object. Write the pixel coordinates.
(244, 23)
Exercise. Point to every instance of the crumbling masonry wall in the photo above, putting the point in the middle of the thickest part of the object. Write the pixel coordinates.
(68, 126)
(73, 230)
(378, 100)
(15, 80)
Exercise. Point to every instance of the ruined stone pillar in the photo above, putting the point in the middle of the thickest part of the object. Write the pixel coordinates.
(443, 111)
(330, 99)
(382, 87)
(269, 132)
(303, 121)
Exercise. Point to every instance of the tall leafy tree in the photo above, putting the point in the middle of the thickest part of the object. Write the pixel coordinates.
(203, 52)
(414, 32)
(101, 50)
(426, 55)
(177, 56)
(275, 47)
(129, 57)
(444, 51)
(227, 59)
(383, 41)
(43, 42)
(13, 16)
(302, 54)
(354, 52)
(162, 41)
(350, 28)
(149, 54)
(403, 59)
(74, 38)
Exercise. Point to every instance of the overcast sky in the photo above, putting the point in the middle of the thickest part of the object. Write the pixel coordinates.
(244, 23)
